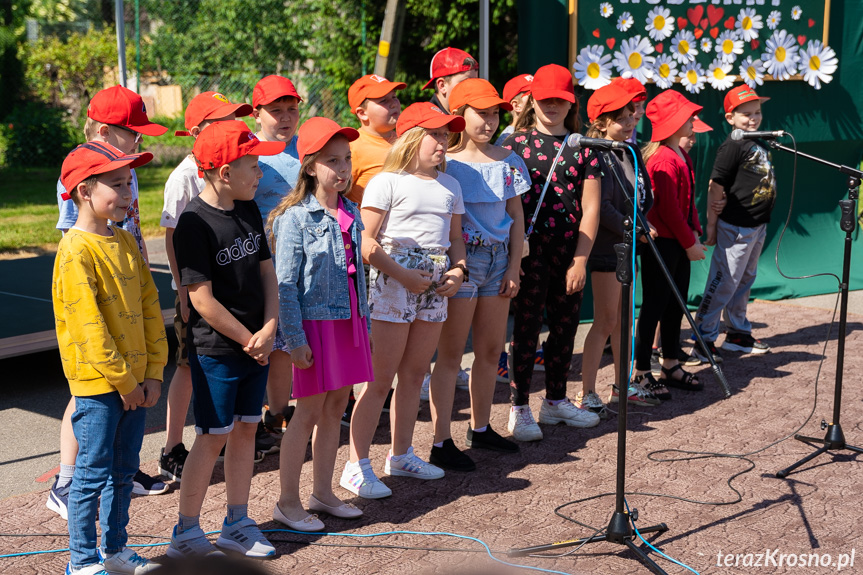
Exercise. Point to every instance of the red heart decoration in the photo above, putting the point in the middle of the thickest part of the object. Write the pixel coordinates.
(610, 43)
(596, 32)
(811, 22)
(682, 22)
(801, 39)
(699, 33)
(729, 24)
(714, 14)
(755, 43)
(695, 14)
(714, 32)
(659, 48)
(704, 22)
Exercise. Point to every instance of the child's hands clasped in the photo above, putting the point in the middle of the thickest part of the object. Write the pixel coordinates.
(302, 357)
(416, 281)
(260, 345)
(133, 399)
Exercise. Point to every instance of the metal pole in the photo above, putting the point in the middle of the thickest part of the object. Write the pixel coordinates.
(483, 38)
(138, 46)
(119, 20)
(385, 62)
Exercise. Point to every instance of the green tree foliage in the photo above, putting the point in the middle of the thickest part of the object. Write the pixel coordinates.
(11, 69)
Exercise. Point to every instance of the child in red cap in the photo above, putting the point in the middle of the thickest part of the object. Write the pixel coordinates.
(677, 226)
(412, 217)
(449, 67)
(113, 348)
(182, 186)
(323, 313)
(743, 175)
(115, 116)
(611, 110)
(516, 92)
(224, 262)
(555, 270)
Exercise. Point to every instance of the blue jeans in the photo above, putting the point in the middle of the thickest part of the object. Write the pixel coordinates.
(109, 445)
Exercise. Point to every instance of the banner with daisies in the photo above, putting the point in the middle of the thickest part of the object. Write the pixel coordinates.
(698, 44)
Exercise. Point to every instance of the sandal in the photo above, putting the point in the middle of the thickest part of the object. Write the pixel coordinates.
(656, 388)
(687, 380)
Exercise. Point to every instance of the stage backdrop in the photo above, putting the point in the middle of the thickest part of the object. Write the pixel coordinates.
(826, 121)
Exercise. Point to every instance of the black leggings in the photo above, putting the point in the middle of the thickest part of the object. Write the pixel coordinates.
(658, 305)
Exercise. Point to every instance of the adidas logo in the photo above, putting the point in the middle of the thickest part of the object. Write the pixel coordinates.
(240, 249)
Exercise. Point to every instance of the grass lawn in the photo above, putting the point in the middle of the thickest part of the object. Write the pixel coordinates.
(28, 207)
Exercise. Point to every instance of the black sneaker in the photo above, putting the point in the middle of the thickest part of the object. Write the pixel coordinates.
(143, 484)
(451, 457)
(700, 354)
(490, 439)
(745, 343)
(264, 442)
(276, 424)
(171, 463)
(349, 410)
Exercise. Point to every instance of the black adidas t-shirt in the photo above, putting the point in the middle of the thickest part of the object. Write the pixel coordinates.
(225, 248)
(744, 168)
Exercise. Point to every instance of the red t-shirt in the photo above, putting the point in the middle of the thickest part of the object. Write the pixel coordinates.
(673, 214)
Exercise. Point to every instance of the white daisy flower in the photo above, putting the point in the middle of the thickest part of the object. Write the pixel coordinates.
(748, 24)
(706, 44)
(660, 24)
(818, 63)
(752, 72)
(718, 75)
(625, 22)
(683, 46)
(592, 69)
(729, 46)
(633, 58)
(605, 10)
(773, 19)
(781, 55)
(796, 13)
(664, 71)
(692, 77)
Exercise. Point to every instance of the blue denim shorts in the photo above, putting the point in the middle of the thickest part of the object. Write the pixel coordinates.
(487, 266)
(227, 388)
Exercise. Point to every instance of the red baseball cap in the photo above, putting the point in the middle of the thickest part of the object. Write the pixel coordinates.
(427, 115)
(223, 142)
(633, 86)
(609, 98)
(739, 95)
(209, 105)
(668, 112)
(516, 86)
(699, 126)
(316, 132)
(273, 87)
(552, 81)
(449, 61)
(123, 107)
(371, 86)
(477, 93)
(93, 158)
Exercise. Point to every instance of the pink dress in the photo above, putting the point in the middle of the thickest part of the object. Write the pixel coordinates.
(340, 347)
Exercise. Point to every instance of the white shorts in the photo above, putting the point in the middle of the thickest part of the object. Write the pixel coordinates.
(390, 301)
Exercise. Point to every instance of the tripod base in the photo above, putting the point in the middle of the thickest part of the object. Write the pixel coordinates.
(834, 439)
(619, 531)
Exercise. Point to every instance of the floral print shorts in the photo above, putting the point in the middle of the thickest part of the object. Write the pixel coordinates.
(390, 301)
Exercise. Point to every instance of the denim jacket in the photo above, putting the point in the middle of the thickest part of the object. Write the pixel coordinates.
(311, 267)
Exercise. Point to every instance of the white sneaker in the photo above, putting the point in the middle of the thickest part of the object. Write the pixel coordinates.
(360, 479)
(127, 562)
(566, 412)
(424, 390)
(462, 380)
(94, 569)
(522, 425)
(409, 465)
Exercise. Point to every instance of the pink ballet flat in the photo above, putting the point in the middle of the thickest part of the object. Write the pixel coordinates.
(345, 510)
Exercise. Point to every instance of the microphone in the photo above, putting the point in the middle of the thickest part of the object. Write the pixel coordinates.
(741, 135)
(578, 141)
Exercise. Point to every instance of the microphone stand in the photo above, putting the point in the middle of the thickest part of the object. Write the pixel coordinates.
(834, 438)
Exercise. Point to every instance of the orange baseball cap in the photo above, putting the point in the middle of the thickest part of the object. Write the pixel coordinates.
(371, 86)
(668, 112)
(449, 61)
(477, 93)
(552, 81)
(123, 107)
(632, 85)
(427, 115)
(699, 126)
(609, 98)
(209, 105)
(273, 87)
(223, 142)
(316, 132)
(93, 158)
(516, 86)
(739, 95)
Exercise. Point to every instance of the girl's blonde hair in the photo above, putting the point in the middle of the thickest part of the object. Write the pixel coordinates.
(651, 148)
(602, 121)
(527, 120)
(457, 140)
(405, 149)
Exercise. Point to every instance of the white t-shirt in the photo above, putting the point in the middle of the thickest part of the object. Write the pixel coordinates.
(418, 211)
(183, 184)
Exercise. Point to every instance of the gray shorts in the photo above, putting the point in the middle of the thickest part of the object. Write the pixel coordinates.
(390, 301)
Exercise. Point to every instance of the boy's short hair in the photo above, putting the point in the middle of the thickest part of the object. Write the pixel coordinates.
(370, 86)
(95, 158)
(449, 62)
(273, 88)
(90, 183)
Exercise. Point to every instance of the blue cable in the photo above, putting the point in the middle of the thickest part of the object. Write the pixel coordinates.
(675, 561)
